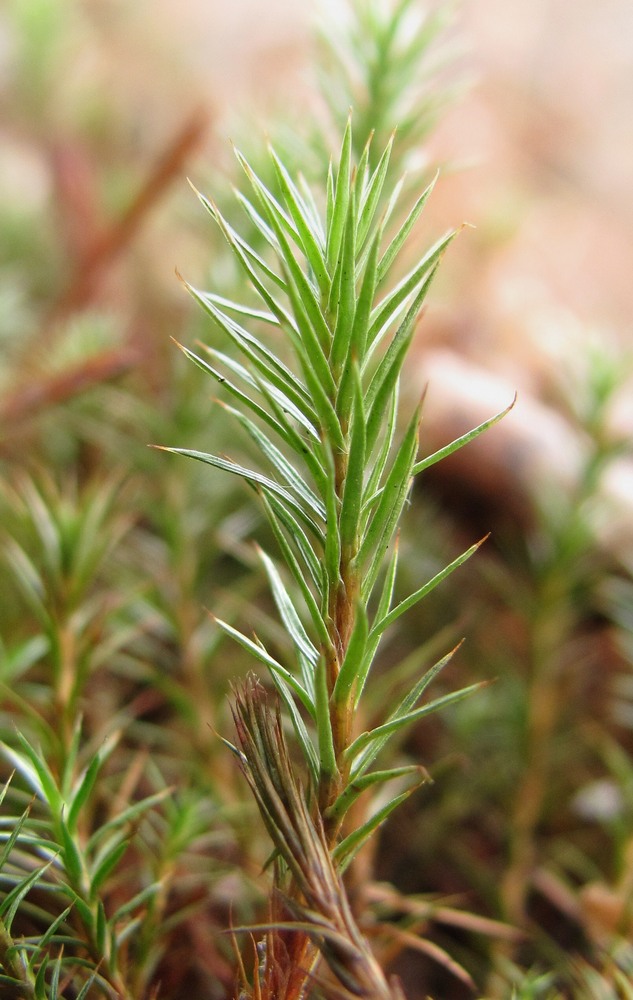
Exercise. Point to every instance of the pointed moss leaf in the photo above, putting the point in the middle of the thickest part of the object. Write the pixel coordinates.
(392, 304)
(86, 783)
(365, 301)
(223, 304)
(358, 750)
(33, 768)
(379, 463)
(388, 371)
(373, 639)
(372, 195)
(269, 203)
(257, 220)
(400, 723)
(14, 834)
(418, 689)
(336, 221)
(281, 464)
(329, 191)
(269, 661)
(106, 867)
(53, 927)
(129, 815)
(298, 287)
(459, 442)
(332, 534)
(345, 851)
(404, 231)
(352, 500)
(71, 856)
(22, 656)
(310, 235)
(299, 575)
(360, 785)
(280, 516)
(246, 256)
(293, 624)
(345, 305)
(11, 902)
(422, 592)
(87, 986)
(236, 392)
(136, 902)
(347, 680)
(389, 507)
(279, 402)
(327, 753)
(258, 353)
(28, 579)
(251, 477)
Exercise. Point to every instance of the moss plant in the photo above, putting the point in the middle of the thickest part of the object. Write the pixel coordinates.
(316, 388)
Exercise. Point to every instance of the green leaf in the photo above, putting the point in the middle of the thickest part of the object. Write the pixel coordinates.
(22, 656)
(243, 398)
(71, 856)
(371, 195)
(246, 257)
(332, 535)
(267, 200)
(14, 834)
(459, 442)
(136, 902)
(357, 750)
(261, 654)
(311, 238)
(404, 231)
(301, 293)
(34, 770)
(389, 307)
(361, 784)
(129, 815)
(10, 905)
(336, 219)
(280, 463)
(278, 513)
(389, 508)
(422, 592)
(379, 463)
(86, 783)
(346, 685)
(101, 930)
(253, 478)
(106, 865)
(327, 754)
(366, 300)
(388, 371)
(271, 394)
(373, 639)
(308, 654)
(87, 986)
(344, 288)
(352, 499)
(344, 852)
(400, 723)
(264, 360)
